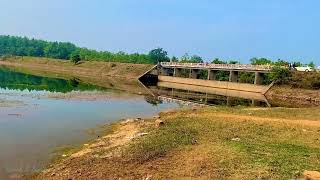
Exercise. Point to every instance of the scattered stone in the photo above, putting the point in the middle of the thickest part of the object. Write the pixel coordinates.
(235, 139)
(138, 119)
(127, 121)
(250, 113)
(53, 174)
(311, 175)
(156, 117)
(304, 130)
(139, 93)
(159, 123)
(149, 177)
(86, 144)
(64, 155)
(137, 135)
(194, 141)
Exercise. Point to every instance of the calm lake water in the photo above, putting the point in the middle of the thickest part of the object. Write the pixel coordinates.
(39, 114)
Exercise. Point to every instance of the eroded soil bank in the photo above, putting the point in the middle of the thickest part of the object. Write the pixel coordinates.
(285, 96)
(121, 76)
(205, 143)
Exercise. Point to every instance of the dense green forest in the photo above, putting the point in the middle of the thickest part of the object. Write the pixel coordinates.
(22, 46)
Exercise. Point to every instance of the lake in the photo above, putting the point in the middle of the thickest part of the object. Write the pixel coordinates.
(39, 114)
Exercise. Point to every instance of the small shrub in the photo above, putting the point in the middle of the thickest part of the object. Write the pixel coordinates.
(281, 75)
(113, 65)
(316, 83)
(75, 58)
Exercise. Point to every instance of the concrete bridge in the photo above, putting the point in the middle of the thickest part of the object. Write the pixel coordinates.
(188, 73)
(212, 69)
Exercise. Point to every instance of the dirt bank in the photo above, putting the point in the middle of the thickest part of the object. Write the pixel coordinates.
(206, 143)
(293, 97)
(122, 76)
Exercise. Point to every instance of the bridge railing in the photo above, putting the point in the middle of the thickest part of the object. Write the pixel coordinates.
(218, 66)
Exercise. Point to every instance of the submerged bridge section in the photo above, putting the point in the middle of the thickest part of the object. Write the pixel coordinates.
(175, 73)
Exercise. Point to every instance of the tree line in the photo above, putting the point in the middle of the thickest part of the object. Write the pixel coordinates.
(23, 46)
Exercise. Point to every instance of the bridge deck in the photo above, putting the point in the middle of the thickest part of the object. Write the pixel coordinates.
(228, 67)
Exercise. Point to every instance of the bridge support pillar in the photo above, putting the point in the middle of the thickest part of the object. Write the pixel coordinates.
(193, 73)
(258, 79)
(233, 77)
(212, 74)
(177, 72)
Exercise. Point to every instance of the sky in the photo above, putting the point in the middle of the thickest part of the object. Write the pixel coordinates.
(225, 29)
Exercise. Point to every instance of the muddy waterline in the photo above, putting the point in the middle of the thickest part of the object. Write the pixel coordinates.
(33, 123)
(39, 114)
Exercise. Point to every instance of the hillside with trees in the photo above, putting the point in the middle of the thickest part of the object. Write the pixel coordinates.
(22, 46)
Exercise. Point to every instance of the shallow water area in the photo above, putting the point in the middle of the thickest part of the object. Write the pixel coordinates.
(39, 114)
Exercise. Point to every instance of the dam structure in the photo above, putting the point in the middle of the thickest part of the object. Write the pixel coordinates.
(189, 74)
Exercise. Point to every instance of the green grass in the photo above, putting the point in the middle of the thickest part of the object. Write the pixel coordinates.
(265, 149)
(162, 140)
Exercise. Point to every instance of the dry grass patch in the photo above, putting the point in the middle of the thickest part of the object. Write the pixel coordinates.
(234, 149)
(201, 145)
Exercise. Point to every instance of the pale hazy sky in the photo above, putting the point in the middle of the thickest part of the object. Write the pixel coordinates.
(228, 29)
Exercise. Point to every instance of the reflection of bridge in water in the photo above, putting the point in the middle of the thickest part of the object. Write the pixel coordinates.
(196, 95)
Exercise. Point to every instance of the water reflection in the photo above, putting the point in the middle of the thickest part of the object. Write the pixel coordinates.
(20, 81)
(183, 93)
(38, 114)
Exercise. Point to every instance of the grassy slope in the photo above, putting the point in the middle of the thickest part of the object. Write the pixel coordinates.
(121, 76)
(214, 143)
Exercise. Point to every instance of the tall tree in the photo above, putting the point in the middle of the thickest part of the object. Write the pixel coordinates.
(174, 59)
(218, 61)
(158, 55)
(196, 59)
(260, 61)
(75, 57)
